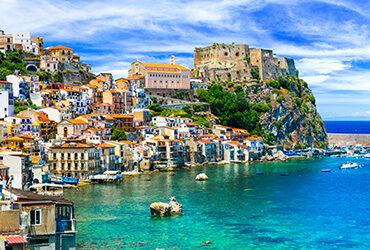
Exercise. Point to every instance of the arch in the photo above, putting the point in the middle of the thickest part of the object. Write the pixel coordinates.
(31, 68)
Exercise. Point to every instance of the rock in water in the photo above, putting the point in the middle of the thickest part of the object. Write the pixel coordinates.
(171, 173)
(201, 177)
(176, 208)
(160, 209)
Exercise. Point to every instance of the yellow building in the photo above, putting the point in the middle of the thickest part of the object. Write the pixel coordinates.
(14, 142)
(64, 54)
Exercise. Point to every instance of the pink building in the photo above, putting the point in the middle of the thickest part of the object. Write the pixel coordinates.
(162, 76)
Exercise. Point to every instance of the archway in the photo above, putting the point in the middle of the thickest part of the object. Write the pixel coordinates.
(31, 68)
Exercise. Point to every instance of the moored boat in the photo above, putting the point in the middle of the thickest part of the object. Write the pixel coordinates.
(349, 165)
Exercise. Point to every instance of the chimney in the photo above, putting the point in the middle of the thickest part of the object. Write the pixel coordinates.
(172, 59)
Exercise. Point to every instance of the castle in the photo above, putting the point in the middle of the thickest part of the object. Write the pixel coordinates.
(229, 62)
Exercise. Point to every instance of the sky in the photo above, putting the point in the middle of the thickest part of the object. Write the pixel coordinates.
(329, 39)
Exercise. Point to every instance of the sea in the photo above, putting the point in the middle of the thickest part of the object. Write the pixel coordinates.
(348, 127)
(235, 209)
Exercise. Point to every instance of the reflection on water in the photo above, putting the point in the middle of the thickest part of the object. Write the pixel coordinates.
(234, 209)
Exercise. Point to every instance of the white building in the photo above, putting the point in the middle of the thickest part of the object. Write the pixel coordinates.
(18, 83)
(49, 63)
(17, 167)
(53, 114)
(6, 103)
(23, 38)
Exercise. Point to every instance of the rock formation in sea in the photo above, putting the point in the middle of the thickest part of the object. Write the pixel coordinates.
(162, 209)
(201, 177)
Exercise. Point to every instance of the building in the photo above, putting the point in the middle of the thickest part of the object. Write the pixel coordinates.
(71, 128)
(120, 100)
(6, 42)
(64, 54)
(41, 221)
(161, 76)
(6, 99)
(21, 89)
(73, 159)
(141, 117)
(23, 39)
(107, 156)
(49, 63)
(19, 167)
(123, 122)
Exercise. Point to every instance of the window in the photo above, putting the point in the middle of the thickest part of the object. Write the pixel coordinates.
(35, 217)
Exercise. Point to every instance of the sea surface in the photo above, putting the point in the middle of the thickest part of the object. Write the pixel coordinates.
(348, 127)
(235, 209)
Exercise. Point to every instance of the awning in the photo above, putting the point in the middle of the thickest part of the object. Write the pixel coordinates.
(15, 239)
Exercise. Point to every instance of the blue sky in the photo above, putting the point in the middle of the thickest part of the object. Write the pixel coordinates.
(328, 39)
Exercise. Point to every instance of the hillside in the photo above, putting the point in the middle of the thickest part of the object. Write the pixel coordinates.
(283, 111)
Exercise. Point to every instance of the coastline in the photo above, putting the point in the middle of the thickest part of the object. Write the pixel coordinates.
(345, 139)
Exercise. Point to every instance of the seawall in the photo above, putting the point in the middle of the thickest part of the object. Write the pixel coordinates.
(353, 139)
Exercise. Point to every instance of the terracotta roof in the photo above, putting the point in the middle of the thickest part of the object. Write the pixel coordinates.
(59, 47)
(103, 104)
(164, 65)
(121, 116)
(77, 121)
(128, 142)
(106, 145)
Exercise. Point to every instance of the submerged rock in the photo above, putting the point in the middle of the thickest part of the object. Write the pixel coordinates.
(161, 209)
(172, 174)
(201, 177)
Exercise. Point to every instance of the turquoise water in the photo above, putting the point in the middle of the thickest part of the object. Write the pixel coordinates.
(235, 209)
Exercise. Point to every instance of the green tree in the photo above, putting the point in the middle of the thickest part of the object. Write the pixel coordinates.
(118, 135)
(188, 109)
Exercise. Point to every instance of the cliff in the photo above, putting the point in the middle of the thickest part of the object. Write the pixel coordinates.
(292, 119)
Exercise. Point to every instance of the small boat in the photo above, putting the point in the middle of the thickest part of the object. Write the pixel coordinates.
(284, 174)
(70, 180)
(325, 170)
(367, 155)
(349, 165)
(260, 173)
(57, 180)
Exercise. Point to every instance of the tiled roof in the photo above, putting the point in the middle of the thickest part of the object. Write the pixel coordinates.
(59, 47)
(15, 239)
(77, 121)
(106, 145)
(164, 65)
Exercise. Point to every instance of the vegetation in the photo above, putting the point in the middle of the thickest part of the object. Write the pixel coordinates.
(10, 62)
(279, 124)
(118, 135)
(20, 106)
(232, 109)
(280, 99)
(255, 74)
(260, 107)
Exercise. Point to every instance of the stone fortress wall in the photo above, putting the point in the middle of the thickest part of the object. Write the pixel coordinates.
(229, 62)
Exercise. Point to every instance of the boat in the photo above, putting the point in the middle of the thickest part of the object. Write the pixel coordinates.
(47, 189)
(64, 180)
(57, 180)
(284, 174)
(70, 180)
(326, 170)
(107, 176)
(367, 155)
(349, 165)
(260, 173)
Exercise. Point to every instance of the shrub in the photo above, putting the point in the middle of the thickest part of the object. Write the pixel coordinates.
(298, 101)
(260, 107)
(274, 84)
(305, 108)
(279, 124)
(276, 92)
(255, 74)
(268, 99)
(284, 82)
(280, 99)
(312, 99)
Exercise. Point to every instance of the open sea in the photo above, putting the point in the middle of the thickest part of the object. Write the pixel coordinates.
(348, 127)
(235, 209)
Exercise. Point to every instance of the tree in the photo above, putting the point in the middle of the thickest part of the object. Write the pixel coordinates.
(118, 135)
(188, 109)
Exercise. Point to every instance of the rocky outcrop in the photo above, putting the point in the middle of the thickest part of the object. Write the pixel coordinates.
(201, 177)
(278, 156)
(292, 119)
(161, 209)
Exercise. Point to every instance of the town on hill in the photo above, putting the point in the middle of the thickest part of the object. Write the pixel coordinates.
(62, 124)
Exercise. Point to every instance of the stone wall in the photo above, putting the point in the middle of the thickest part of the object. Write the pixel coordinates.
(229, 62)
(349, 139)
